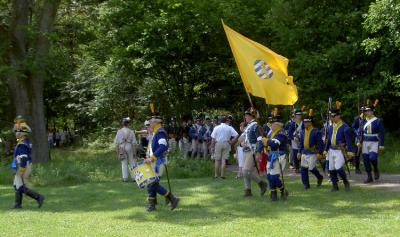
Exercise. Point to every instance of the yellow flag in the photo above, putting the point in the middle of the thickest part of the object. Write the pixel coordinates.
(264, 72)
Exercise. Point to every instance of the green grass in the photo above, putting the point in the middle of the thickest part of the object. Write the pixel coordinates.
(207, 208)
(86, 198)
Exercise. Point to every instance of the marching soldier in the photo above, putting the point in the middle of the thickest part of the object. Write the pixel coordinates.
(156, 156)
(253, 146)
(311, 147)
(184, 139)
(294, 135)
(194, 134)
(373, 133)
(22, 164)
(205, 133)
(339, 138)
(277, 141)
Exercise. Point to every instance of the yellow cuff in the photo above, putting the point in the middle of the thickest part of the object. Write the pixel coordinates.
(153, 158)
(264, 141)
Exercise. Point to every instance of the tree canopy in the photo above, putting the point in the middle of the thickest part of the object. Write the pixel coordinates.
(108, 59)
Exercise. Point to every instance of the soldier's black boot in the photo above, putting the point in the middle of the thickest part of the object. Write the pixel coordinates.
(173, 200)
(357, 165)
(335, 187)
(369, 178)
(284, 194)
(151, 204)
(263, 187)
(247, 193)
(319, 182)
(32, 194)
(376, 175)
(274, 196)
(18, 200)
(346, 185)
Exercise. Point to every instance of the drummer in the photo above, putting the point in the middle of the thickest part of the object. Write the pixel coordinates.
(158, 145)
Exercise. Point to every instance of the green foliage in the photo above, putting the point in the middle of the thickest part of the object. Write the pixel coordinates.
(383, 25)
(110, 58)
(188, 168)
(97, 163)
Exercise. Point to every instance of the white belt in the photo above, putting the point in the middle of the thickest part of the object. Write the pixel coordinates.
(371, 135)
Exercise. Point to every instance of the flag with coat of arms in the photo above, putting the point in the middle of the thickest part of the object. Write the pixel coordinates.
(263, 72)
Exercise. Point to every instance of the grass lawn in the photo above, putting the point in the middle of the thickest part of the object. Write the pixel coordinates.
(207, 208)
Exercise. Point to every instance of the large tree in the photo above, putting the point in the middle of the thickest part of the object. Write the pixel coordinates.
(27, 30)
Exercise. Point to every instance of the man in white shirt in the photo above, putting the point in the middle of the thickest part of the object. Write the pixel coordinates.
(125, 141)
(221, 145)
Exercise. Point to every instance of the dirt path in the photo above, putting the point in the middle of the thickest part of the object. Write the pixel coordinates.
(388, 182)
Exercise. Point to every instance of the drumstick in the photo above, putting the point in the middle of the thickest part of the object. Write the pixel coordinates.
(166, 171)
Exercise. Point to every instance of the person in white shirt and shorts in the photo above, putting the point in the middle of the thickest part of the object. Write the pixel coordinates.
(221, 145)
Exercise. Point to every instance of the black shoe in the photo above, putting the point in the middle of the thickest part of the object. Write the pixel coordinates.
(319, 182)
(167, 201)
(307, 187)
(369, 178)
(247, 193)
(335, 188)
(173, 200)
(32, 194)
(274, 196)
(40, 201)
(346, 186)
(263, 187)
(376, 175)
(152, 204)
(18, 200)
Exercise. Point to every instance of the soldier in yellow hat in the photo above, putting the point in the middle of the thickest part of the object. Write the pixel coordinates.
(22, 164)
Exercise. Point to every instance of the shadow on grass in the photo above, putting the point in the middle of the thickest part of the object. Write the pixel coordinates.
(206, 202)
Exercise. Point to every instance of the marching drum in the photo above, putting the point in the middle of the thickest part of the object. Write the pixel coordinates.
(144, 174)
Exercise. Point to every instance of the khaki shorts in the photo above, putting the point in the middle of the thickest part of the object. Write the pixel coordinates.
(222, 150)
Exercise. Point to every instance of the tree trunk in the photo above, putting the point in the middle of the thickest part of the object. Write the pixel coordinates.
(27, 84)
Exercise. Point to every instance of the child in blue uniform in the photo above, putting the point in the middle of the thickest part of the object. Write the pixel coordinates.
(276, 142)
(22, 164)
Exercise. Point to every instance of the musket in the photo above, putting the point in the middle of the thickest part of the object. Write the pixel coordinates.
(326, 125)
(346, 158)
(361, 131)
(359, 123)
